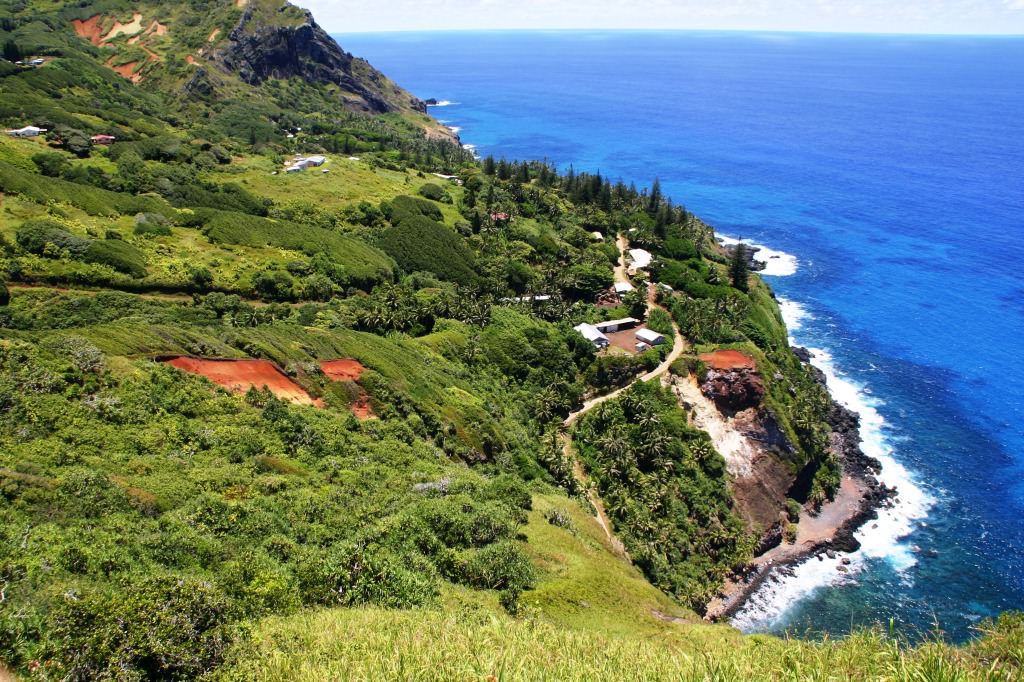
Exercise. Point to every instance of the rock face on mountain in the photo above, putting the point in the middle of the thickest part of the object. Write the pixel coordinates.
(290, 44)
(733, 390)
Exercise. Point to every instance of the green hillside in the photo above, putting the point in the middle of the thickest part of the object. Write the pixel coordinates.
(386, 488)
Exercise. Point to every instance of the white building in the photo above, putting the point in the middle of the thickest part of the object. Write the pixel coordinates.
(650, 337)
(616, 325)
(641, 258)
(623, 288)
(315, 161)
(295, 168)
(590, 333)
(27, 131)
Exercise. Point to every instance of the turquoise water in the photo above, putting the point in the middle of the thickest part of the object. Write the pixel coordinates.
(892, 169)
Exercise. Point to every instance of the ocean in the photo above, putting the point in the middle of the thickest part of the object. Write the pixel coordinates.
(887, 173)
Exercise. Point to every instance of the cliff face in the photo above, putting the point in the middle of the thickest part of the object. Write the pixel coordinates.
(288, 43)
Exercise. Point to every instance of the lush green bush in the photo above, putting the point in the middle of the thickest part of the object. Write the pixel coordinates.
(434, 192)
(92, 200)
(418, 243)
(405, 207)
(160, 627)
(38, 236)
(119, 255)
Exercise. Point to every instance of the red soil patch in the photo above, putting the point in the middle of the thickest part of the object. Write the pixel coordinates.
(348, 369)
(157, 29)
(728, 359)
(241, 375)
(126, 70)
(361, 408)
(89, 29)
(342, 370)
(191, 60)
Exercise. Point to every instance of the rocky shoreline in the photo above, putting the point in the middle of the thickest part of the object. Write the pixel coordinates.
(860, 497)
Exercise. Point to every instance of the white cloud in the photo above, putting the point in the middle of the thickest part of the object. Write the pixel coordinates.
(910, 16)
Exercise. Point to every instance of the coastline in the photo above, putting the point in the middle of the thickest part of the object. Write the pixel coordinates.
(828, 533)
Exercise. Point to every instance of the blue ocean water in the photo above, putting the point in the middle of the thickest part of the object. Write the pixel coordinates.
(892, 168)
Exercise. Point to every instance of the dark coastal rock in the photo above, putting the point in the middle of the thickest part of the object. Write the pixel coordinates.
(292, 45)
(771, 539)
(802, 354)
(733, 390)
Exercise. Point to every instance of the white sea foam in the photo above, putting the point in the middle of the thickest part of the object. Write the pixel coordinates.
(455, 129)
(443, 103)
(880, 539)
(793, 313)
(777, 263)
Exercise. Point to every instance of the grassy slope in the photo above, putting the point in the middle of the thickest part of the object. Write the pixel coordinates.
(591, 617)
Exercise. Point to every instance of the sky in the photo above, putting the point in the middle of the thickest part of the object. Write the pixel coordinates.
(858, 16)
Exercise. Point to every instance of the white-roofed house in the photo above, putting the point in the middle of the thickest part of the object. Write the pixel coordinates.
(591, 333)
(650, 337)
(616, 325)
(27, 131)
(623, 288)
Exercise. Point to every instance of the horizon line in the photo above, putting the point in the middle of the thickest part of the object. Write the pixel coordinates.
(787, 31)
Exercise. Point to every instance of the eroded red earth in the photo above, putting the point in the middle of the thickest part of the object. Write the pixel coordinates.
(241, 375)
(728, 359)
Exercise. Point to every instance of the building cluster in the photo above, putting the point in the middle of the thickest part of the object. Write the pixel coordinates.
(597, 334)
(301, 163)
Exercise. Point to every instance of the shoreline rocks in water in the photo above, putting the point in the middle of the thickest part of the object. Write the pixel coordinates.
(860, 497)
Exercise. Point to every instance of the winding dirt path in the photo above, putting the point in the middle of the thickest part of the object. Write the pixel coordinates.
(678, 347)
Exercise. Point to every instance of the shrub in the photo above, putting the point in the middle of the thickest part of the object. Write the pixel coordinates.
(50, 163)
(793, 510)
(35, 235)
(405, 207)
(119, 255)
(433, 192)
(501, 566)
(165, 627)
(152, 224)
(349, 575)
(92, 200)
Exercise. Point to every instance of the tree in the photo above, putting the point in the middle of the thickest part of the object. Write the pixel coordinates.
(12, 52)
(739, 269)
(654, 200)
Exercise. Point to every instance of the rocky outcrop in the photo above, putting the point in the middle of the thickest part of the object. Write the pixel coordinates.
(733, 390)
(293, 45)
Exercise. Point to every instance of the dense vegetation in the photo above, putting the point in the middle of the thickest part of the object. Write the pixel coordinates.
(155, 526)
(664, 487)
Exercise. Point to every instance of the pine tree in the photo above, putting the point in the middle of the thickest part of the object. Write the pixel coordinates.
(654, 200)
(12, 52)
(739, 270)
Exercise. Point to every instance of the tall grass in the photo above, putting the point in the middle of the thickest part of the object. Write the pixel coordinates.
(370, 644)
